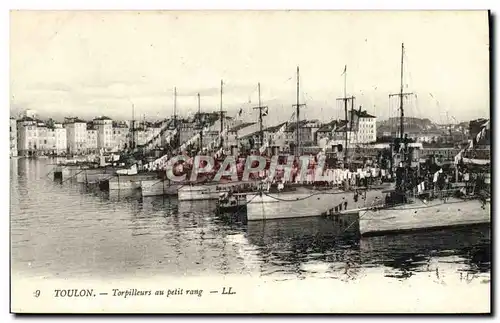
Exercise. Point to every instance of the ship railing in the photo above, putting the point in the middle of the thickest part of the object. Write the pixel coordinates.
(435, 193)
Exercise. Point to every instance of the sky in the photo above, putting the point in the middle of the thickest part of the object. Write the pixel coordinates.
(92, 63)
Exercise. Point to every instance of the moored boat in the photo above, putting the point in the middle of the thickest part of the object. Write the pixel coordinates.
(129, 182)
(418, 213)
(159, 187)
(411, 207)
(310, 202)
(95, 175)
(213, 190)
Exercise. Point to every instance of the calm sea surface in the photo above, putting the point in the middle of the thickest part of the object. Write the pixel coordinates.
(68, 230)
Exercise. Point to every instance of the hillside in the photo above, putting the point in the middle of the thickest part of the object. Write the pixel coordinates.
(411, 125)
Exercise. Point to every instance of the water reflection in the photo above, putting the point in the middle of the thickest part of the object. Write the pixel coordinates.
(468, 248)
(304, 246)
(70, 229)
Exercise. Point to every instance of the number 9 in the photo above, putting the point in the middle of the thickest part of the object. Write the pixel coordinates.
(37, 293)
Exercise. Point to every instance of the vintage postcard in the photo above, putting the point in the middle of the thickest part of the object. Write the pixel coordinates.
(250, 162)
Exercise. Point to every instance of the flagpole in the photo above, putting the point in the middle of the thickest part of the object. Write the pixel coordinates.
(260, 119)
(221, 116)
(260, 107)
(345, 81)
(201, 123)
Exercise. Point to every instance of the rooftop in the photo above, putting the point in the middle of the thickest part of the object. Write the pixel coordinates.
(90, 125)
(292, 125)
(241, 126)
(271, 129)
(69, 120)
(117, 124)
(363, 114)
(341, 125)
(27, 119)
(328, 127)
(102, 118)
(274, 128)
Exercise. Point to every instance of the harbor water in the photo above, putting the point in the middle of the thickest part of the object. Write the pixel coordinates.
(70, 230)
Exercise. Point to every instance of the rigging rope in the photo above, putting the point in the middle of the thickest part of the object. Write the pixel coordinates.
(67, 179)
(300, 199)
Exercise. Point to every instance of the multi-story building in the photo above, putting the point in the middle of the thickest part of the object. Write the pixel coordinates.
(27, 136)
(92, 143)
(239, 131)
(360, 128)
(60, 139)
(76, 130)
(307, 132)
(274, 138)
(366, 131)
(145, 131)
(44, 139)
(327, 132)
(104, 126)
(36, 137)
(13, 137)
(121, 137)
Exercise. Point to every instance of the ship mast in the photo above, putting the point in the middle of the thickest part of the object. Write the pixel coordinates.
(221, 115)
(260, 107)
(346, 100)
(175, 116)
(297, 105)
(401, 96)
(201, 122)
(175, 107)
(406, 162)
(133, 126)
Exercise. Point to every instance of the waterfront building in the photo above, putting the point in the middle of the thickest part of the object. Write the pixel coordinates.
(343, 129)
(121, 136)
(60, 139)
(307, 132)
(145, 131)
(275, 139)
(92, 142)
(13, 137)
(76, 130)
(327, 132)
(44, 138)
(360, 128)
(366, 131)
(104, 126)
(427, 136)
(241, 130)
(27, 136)
(36, 137)
(51, 138)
